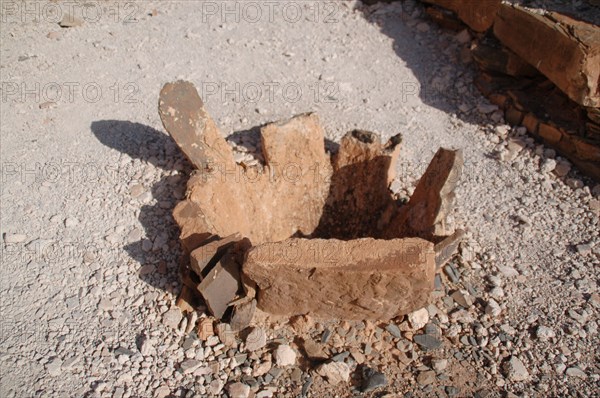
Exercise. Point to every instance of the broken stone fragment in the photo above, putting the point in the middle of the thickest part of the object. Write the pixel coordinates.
(202, 257)
(358, 279)
(184, 117)
(334, 372)
(221, 285)
(445, 249)
(426, 213)
(242, 315)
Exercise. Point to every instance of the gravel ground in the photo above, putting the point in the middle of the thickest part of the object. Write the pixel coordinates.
(89, 180)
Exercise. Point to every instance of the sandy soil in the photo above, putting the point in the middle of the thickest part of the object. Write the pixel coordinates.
(89, 179)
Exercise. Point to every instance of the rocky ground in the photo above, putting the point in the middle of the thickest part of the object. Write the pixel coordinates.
(89, 179)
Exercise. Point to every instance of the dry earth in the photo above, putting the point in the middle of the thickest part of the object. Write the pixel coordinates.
(89, 180)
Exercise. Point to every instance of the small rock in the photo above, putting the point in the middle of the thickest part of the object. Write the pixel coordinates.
(172, 317)
(162, 392)
(105, 304)
(54, 35)
(372, 380)
(334, 372)
(205, 329)
(427, 342)
(313, 349)
(188, 366)
(439, 364)
(256, 339)
(238, 390)
(418, 319)
(463, 37)
(548, 165)
(425, 378)
(562, 168)
(493, 308)
(544, 333)
(284, 355)
(14, 238)
(215, 386)
(147, 346)
(393, 330)
(515, 370)
(576, 372)
(226, 335)
(54, 367)
(71, 222)
(487, 108)
(584, 249)
(463, 298)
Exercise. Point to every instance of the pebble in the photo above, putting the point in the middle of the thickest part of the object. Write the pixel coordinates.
(188, 366)
(334, 372)
(427, 342)
(372, 380)
(425, 378)
(14, 238)
(418, 319)
(172, 317)
(548, 165)
(256, 339)
(439, 364)
(284, 355)
(71, 222)
(238, 390)
(54, 367)
(393, 330)
(515, 369)
(544, 333)
(493, 308)
(576, 372)
(215, 386)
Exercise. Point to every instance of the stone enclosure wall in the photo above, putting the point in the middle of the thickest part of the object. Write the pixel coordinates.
(541, 68)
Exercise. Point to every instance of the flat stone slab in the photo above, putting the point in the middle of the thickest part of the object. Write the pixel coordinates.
(221, 285)
(202, 257)
(329, 278)
(565, 50)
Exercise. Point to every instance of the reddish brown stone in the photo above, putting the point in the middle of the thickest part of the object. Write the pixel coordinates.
(549, 133)
(221, 285)
(202, 257)
(513, 116)
(565, 50)
(356, 279)
(531, 123)
(184, 117)
(477, 14)
(185, 301)
(444, 250)
(430, 204)
(501, 60)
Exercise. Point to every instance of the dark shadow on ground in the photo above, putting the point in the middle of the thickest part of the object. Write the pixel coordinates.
(154, 147)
